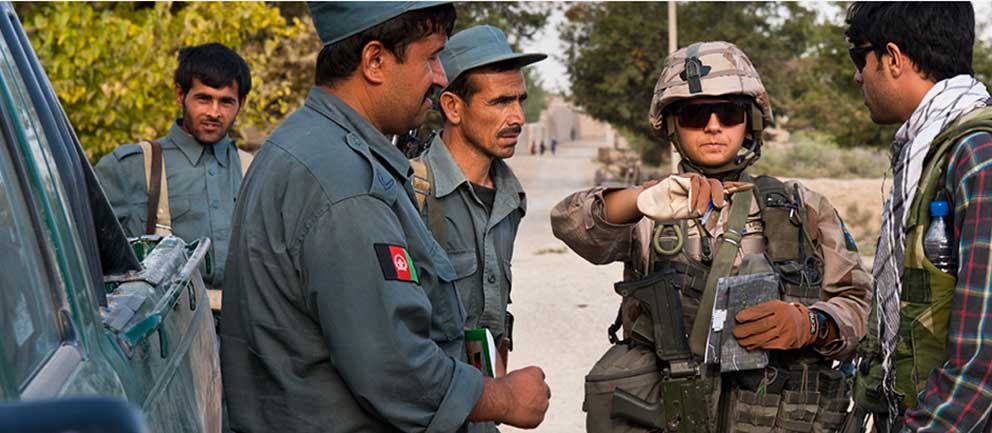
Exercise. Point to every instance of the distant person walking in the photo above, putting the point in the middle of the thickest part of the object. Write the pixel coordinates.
(541, 148)
(554, 145)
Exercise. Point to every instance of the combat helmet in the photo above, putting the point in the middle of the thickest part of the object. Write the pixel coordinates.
(711, 69)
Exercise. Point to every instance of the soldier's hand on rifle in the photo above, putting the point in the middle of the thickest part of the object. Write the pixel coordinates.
(684, 196)
(775, 325)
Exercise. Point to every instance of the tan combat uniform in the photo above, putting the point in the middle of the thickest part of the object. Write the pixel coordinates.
(578, 220)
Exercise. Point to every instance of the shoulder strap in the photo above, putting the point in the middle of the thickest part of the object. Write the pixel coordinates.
(423, 189)
(723, 263)
(246, 159)
(421, 184)
(159, 218)
(936, 160)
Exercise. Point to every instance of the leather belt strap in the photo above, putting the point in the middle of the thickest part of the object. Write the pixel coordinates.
(154, 182)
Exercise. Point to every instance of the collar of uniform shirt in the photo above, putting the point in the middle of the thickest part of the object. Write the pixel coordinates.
(193, 149)
(337, 111)
(448, 176)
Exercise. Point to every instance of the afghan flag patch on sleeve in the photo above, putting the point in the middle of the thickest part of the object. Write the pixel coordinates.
(396, 263)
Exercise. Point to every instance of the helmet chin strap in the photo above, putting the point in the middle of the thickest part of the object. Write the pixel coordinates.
(731, 170)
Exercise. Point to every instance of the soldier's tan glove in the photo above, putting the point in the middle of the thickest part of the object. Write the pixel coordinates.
(775, 325)
(683, 196)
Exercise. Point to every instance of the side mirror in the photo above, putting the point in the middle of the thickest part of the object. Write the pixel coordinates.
(78, 414)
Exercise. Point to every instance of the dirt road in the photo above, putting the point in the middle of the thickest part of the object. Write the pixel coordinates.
(562, 304)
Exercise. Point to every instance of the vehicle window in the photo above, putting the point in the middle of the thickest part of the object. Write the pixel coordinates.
(29, 330)
(62, 235)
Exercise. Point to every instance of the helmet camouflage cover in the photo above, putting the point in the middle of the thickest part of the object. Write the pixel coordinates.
(714, 69)
(711, 69)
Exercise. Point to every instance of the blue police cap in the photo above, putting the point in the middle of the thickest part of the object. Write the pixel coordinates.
(480, 46)
(336, 21)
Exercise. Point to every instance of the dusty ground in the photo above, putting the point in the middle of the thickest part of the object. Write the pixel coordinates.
(563, 304)
(859, 202)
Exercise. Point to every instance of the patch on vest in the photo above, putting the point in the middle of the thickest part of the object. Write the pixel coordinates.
(396, 263)
(848, 239)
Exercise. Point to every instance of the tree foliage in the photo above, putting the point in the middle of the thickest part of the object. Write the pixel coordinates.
(614, 53)
(112, 64)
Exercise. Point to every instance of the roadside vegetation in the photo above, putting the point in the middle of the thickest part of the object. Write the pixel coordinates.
(810, 154)
(111, 63)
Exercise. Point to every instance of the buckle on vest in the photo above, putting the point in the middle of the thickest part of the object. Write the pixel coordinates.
(732, 237)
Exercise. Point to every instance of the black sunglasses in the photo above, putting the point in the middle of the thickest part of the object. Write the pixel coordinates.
(858, 55)
(698, 115)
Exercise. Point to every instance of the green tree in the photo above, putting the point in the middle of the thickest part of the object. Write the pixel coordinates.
(112, 64)
(615, 52)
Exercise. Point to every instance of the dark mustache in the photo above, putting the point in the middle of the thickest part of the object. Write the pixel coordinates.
(434, 94)
(513, 130)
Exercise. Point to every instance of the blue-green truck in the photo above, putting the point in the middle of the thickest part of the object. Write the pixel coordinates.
(83, 309)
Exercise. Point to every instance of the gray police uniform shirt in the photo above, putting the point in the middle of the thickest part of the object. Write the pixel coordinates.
(325, 328)
(203, 185)
(478, 241)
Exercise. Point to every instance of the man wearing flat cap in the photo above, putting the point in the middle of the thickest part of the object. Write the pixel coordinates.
(471, 200)
(342, 314)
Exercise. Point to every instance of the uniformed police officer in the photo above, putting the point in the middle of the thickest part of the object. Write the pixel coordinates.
(681, 237)
(201, 167)
(473, 202)
(341, 314)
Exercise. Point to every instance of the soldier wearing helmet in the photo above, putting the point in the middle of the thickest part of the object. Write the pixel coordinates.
(739, 292)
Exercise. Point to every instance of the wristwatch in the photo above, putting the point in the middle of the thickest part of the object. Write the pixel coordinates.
(822, 326)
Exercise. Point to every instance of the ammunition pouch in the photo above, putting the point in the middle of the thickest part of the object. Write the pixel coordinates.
(808, 398)
(650, 382)
(627, 392)
(789, 247)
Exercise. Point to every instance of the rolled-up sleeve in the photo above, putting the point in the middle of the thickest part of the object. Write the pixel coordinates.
(579, 222)
(378, 331)
(846, 285)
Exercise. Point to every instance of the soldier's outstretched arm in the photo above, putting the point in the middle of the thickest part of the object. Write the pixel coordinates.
(579, 221)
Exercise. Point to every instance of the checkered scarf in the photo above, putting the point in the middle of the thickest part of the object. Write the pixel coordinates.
(945, 102)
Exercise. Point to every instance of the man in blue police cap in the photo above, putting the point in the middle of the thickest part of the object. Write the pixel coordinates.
(341, 314)
(471, 200)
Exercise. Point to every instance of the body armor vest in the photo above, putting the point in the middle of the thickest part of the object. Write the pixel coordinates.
(798, 391)
(925, 301)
